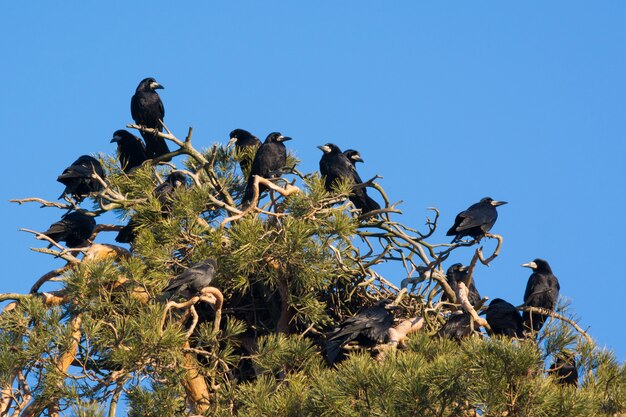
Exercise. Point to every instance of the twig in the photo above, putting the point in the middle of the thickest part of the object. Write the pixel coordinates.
(556, 315)
(288, 190)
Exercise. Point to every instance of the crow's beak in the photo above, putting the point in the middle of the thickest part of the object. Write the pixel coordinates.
(156, 86)
(232, 141)
(498, 203)
(324, 148)
(283, 138)
(115, 139)
(357, 158)
(530, 265)
(463, 268)
(391, 307)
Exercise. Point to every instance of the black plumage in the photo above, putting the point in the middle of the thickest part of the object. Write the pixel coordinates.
(565, 370)
(368, 327)
(504, 319)
(131, 152)
(457, 327)
(74, 229)
(336, 166)
(246, 145)
(78, 180)
(192, 280)
(353, 156)
(163, 193)
(477, 220)
(147, 110)
(269, 161)
(542, 290)
(456, 273)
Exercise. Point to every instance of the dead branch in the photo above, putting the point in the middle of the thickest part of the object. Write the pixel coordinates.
(287, 191)
(398, 333)
(556, 315)
(45, 203)
(462, 293)
(48, 276)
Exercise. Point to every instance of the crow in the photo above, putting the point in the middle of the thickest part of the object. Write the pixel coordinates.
(147, 110)
(368, 327)
(456, 273)
(542, 291)
(477, 220)
(504, 319)
(131, 152)
(192, 280)
(353, 156)
(244, 141)
(335, 166)
(269, 161)
(78, 180)
(457, 327)
(163, 193)
(74, 229)
(565, 369)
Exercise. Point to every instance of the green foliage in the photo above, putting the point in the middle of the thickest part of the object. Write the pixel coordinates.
(289, 272)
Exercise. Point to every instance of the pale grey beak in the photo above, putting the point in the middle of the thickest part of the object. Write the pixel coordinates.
(498, 203)
(530, 265)
(156, 86)
(231, 142)
(324, 148)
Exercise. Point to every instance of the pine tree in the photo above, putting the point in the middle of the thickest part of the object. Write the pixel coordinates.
(291, 267)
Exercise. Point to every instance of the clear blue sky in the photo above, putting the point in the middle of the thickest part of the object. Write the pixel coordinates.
(523, 102)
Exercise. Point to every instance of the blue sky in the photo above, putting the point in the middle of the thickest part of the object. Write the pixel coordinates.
(522, 102)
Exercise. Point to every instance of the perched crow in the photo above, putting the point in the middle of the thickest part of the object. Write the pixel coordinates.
(565, 369)
(457, 327)
(367, 327)
(269, 161)
(74, 229)
(243, 141)
(353, 156)
(131, 152)
(456, 273)
(77, 178)
(477, 220)
(335, 166)
(542, 291)
(164, 194)
(147, 110)
(503, 318)
(194, 279)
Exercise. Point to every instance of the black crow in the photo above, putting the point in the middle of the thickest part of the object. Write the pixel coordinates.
(457, 327)
(192, 280)
(335, 166)
(368, 327)
(353, 156)
(164, 194)
(565, 370)
(147, 110)
(269, 161)
(456, 273)
(542, 291)
(503, 318)
(78, 180)
(74, 229)
(131, 152)
(477, 220)
(244, 141)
